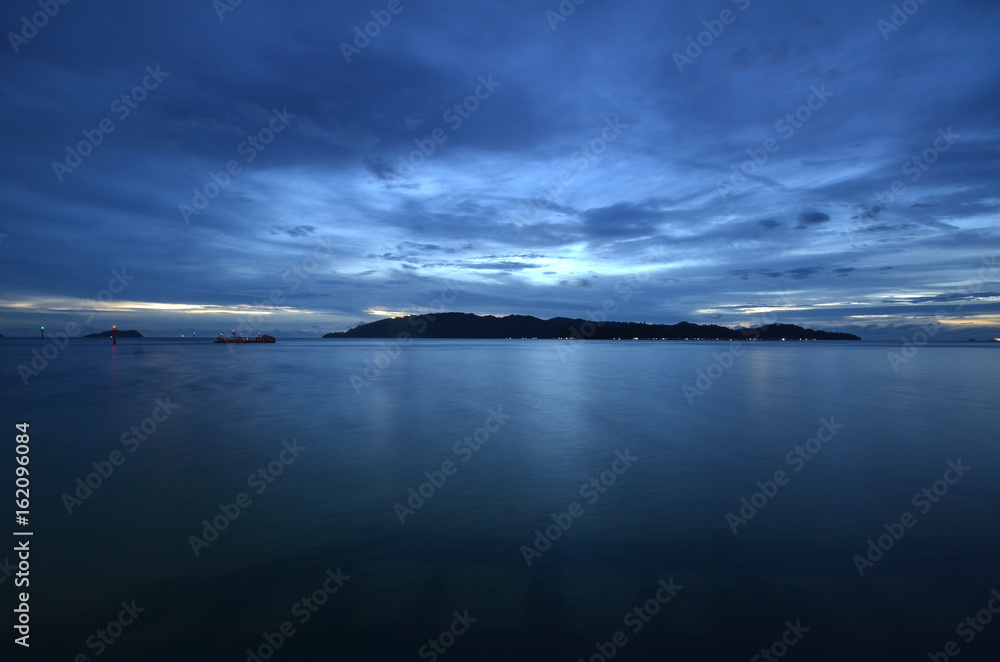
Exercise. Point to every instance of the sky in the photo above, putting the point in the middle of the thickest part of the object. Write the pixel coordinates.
(298, 168)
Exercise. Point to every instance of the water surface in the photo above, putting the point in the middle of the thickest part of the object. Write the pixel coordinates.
(567, 408)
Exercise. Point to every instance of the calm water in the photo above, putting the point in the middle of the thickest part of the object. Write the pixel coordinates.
(566, 409)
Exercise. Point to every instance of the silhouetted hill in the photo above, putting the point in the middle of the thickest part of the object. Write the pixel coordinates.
(132, 333)
(467, 325)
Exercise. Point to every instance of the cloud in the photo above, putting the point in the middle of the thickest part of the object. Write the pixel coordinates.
(885, 227)
(380, 168)
(621, 220)
(949, 297)
(504, 265)
(744, 274)
(803, 273)
(810, 218)
(589, 211)
(296, 231)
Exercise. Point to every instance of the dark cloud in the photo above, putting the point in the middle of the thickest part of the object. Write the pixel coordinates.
(380, 168)
(503, 266)
(580, 282)
(412, 245)
(885, 227)
(803, 273)
(810, 218)
(620, 220)
(745, 274)
(296, 231)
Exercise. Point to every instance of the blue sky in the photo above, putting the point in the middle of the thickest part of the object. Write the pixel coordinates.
(193, 166)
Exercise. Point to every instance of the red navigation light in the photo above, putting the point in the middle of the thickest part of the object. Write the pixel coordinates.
(114, 326)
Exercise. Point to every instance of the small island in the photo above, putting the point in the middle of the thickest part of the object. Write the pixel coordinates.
(468, 325)
(131, 333)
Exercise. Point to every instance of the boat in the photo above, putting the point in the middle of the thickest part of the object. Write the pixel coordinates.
(259, 339)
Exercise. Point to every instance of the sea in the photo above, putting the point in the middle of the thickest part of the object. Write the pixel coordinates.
(508, 500)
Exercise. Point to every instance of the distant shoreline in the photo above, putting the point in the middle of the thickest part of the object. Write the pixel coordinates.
(482, 327)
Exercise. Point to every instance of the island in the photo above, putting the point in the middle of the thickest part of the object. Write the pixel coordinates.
(131, 333)
(468, 325)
